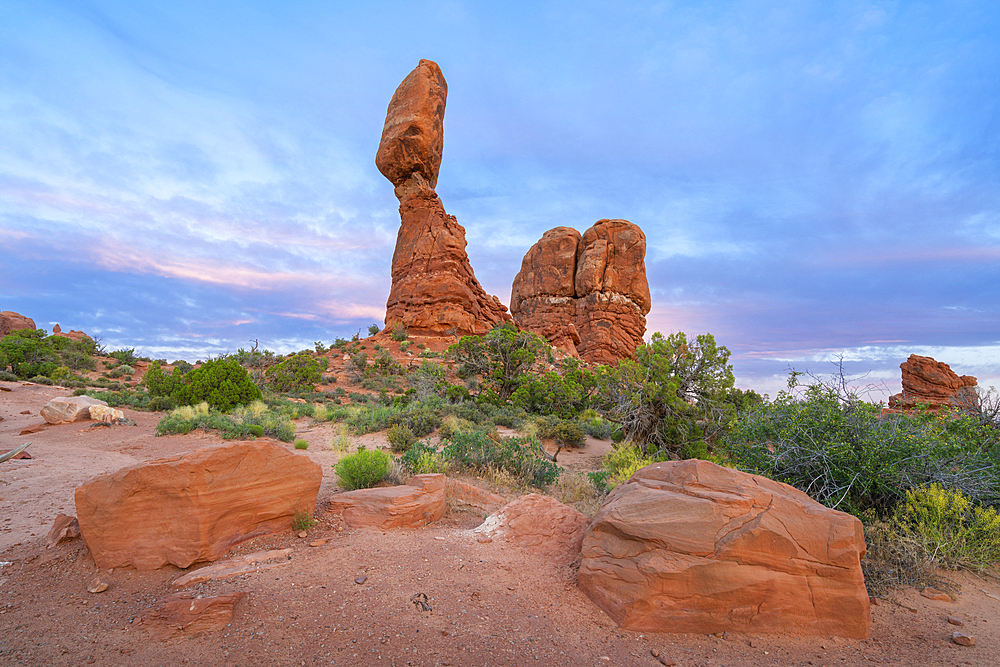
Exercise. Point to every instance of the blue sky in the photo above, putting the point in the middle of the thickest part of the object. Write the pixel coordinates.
(814, 178)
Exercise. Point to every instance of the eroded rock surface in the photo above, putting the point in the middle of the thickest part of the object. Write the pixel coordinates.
(196, 506)
(932, 383)
(434, 289)
(11, 321)
(587, 293)
(411, 505)
(691, 546)
(188, 615)
(66, 409)
(539, 524)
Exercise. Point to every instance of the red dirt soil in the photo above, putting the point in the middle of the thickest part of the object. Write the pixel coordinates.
(490, 604)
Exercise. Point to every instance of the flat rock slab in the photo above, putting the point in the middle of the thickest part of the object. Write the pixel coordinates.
(254, 562)
(185, 615)
(408, 506)
(539, 524)
(468, 494)
(66, 409)
(196, 506)
(64, 527)
(691, 546)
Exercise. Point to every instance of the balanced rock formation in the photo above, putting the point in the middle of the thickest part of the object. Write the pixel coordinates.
(72, 334)
(586, 294)
(411, 505)
(194, 507)
(932, 383)
(66, 409)
(11, 321)
(690, 546)
(434, 289)
(539, 524)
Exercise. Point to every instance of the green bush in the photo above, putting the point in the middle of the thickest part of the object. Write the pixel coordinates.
(125, 356)
(296, 373)
(420, 420)
(243, 424)
(841, 451)
(949, 529)
(7, 376)
(621, 463)
(519, 457)
(401, 438)
(363, 469)
(672, 396)
(501, 359)
(222, 383)
(372, 330)
(300, 444)
(399, 332)
(372, 418)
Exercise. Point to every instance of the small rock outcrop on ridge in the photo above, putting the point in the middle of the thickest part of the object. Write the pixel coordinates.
(434, 288)
(11, 321)
(690, 546)
(586, 294)
(931, 383)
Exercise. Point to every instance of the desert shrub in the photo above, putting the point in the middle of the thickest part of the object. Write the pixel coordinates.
(298, 372)
(841, 451)
(121, 371)
(452, 424)
(7, 376)
(399, 332)
(621, 463)
(302, 521)
(300, 444)
(341, 440)
(552, 394)
(501, 359)
(222, 383)
(125, 356)
(672, 395)
(372, 330)
(243, 424)
(420, 420)
(892, 563)
(363, 469)
(595, 425)
(579, 492)
(27, 353)
(372, 418)
(949, 529)
(401, 438)
(404, 346)
(41, 379)
(476, 451)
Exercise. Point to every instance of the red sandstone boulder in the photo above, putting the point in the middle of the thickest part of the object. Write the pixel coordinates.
(586, 294)
(691, 546)
(66, 409)
(64, 527)
(539, 524)
(434, 289)
(932, 383)
(187, 615)
(413, 135)
(196, 506)
(11, 321)
(406, 506)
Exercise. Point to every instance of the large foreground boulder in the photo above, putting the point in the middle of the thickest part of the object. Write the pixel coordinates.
(411, 505)
(932, 383)
(538, 524)
(587, 293)
(66, 409)
(434, 289)
(196, 506)
(691, 546)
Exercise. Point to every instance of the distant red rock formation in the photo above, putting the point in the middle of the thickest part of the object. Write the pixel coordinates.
(11, 321)
(586, 294)
(74, 335)
(931, 383)
(434, 288)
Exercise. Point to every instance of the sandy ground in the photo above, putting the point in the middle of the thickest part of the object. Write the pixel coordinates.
(491, 604)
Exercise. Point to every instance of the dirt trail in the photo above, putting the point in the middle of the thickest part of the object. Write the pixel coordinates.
(490, 604)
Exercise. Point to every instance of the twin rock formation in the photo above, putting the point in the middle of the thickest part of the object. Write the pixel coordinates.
(586, 294)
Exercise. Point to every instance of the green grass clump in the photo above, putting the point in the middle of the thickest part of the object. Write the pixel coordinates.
(476, 451)
(363, 469)
(243, 424)
(620, 464)
(300, 444)
(302, 521)
(372, 418)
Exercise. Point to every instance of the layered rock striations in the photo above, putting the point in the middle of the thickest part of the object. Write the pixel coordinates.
(586, 294)
(11, 321)
(434, 288)
(932, 383)
(690, 546)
